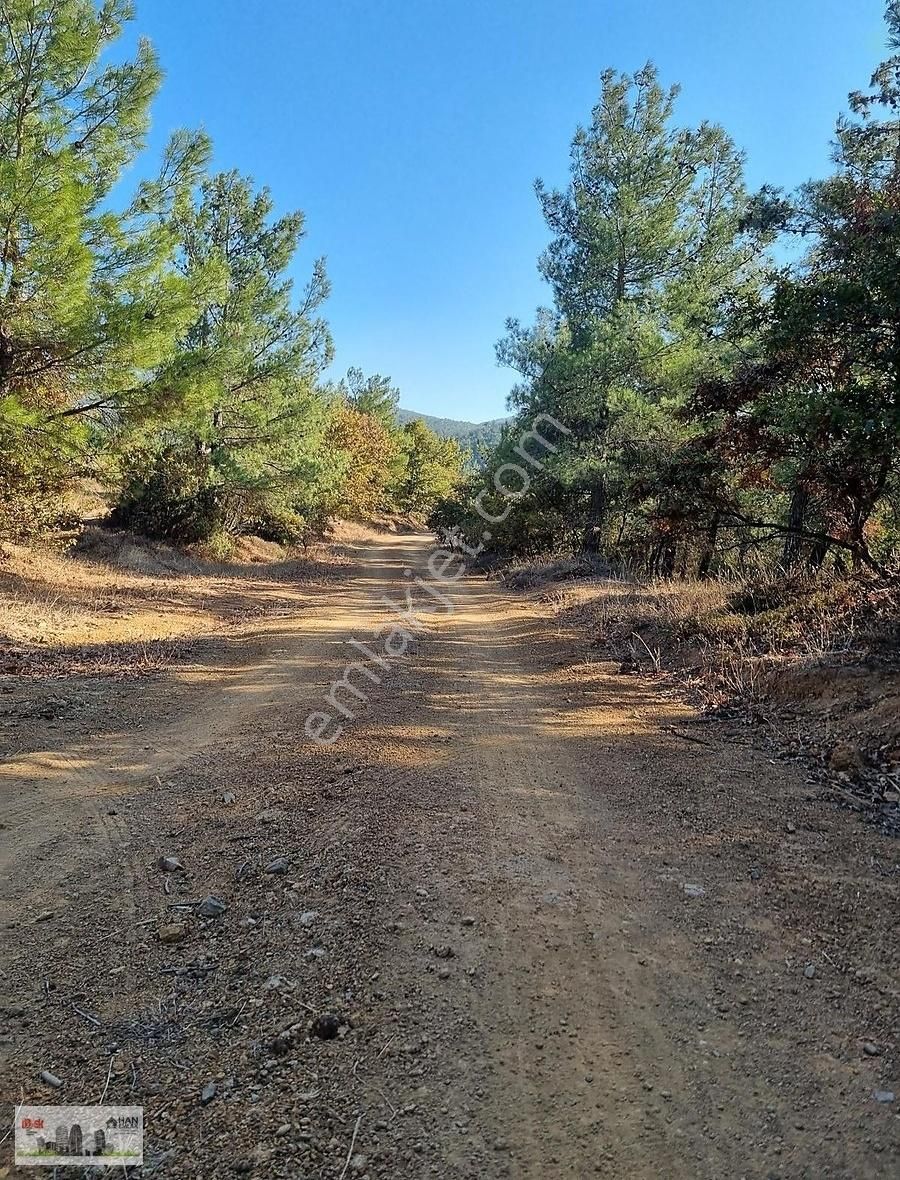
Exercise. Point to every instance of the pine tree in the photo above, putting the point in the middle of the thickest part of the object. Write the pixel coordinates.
(373, 395)
(88, 300)
(651, 242)
(245, 442)
(817, 408)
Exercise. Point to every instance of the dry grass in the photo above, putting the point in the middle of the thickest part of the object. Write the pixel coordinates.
(109, 601)
(816, 661)
(532, 575)
(814, 666)
(685, 620)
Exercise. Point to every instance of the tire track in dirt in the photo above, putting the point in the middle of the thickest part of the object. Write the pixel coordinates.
(593, 1019)
(616, 1018)
(54, 800)
(560, 1022)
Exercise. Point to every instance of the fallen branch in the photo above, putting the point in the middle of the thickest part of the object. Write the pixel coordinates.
(108, 1076)
(687, 737)
(384, 1048)
(87, 1016)
(350, 1152)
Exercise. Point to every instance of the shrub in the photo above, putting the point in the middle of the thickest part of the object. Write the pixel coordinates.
(281, 526)
(32, 480)
(169, 494)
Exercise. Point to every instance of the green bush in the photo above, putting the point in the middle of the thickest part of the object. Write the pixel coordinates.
(169, 494)
(32, 480)
(279, 525)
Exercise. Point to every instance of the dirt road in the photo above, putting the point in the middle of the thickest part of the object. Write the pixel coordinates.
(565, 929)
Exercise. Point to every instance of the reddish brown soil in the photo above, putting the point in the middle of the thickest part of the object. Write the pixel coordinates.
(486, 885)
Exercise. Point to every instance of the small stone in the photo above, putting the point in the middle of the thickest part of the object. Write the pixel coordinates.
(884, 1096)
(501, 1145)
(791, 827)
(284, 1129)
(755, 873)
(208, 1093)
(444, 973)
(279, 865)
(271, 815)
(45, 916)
(468, 920)
(308, 917)
(691, 890)
(444, 952)
(421, 892)
(325, 1027)
(55, 1083)
(358, 1164)
(211, 907)
(810, 970)
(282, 1043)
(176, 932)
(228, 797)
(171, 864)
(315, 952)
(846, 759)
(870, 1049)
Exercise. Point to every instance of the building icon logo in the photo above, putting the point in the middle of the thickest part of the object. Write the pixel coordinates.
(79, 1136)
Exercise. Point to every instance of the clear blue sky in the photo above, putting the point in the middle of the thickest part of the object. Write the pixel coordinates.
(410, 132)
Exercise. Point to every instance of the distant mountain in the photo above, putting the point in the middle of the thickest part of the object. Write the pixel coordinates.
(475, 435)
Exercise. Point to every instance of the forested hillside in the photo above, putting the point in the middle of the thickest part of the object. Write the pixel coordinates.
(477, 436)
(156, 343)
(718, 410)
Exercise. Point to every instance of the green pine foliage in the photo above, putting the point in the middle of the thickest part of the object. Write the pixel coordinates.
(721, 411)
(89, 300)
(724, 413)
(651, 244)
(161, 344)
(244, 440)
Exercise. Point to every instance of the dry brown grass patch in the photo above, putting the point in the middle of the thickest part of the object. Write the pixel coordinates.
(143, 601)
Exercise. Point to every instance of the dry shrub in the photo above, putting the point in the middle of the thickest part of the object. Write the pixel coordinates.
(732, 639)
(529, 575)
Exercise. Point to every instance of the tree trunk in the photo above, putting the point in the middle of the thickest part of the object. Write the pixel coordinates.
(817, 554)
(796, 520)
(709, 547)
(620, 277)
(593, 530)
